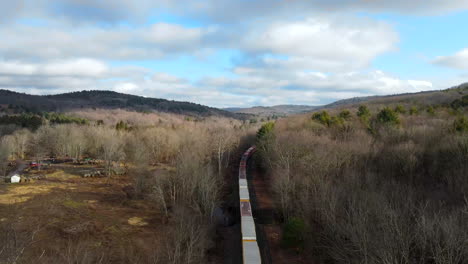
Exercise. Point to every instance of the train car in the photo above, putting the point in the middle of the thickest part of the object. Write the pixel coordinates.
(250, 249)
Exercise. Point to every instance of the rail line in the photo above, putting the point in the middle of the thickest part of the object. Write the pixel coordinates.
(250, 247)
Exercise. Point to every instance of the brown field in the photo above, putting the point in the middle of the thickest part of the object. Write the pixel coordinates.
(69, 219)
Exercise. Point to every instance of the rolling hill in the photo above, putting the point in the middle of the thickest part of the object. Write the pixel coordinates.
(437, 97)
(21, 102)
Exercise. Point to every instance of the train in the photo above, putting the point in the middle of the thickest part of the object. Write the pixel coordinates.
(250, 247)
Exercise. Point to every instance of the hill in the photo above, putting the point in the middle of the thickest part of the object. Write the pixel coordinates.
(277, 110)
(20, 102)
(439, 97)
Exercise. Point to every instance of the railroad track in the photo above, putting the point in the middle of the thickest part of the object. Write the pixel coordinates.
(250, 248)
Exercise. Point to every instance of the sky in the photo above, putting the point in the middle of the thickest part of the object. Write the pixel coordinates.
(234, 53)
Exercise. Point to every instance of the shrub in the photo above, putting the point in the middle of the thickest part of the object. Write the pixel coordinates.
(59, 118)
(400, 109)
(414, 110)
(293, 233)
(345, 114)
(322, 117)
(430, 110)
(363, 112)
(462, 102)
(121, 126)
(388, 116)
(24, 120)
(461, 124)
(265, 130)
(336, 120)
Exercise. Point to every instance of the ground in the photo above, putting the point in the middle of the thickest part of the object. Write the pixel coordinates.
(81, 220)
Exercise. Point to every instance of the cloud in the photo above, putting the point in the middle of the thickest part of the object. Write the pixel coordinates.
(321, 43)
(287, 51)
(78, 68)
(125, 43)
(215, 10)
(218, 11)
(267, 88)
(457, 61)
(325, 43)
(250, 87)
(64, 75)
(10, 9)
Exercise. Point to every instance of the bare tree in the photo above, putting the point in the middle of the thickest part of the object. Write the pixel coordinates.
(111, 147)
(77, 141)
(223, 141)
(20, 142)
(5, 152)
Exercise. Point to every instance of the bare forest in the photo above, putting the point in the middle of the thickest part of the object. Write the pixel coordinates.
(164, 175)
(380, 184)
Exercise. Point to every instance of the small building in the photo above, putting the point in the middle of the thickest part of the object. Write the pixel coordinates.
(15, 178)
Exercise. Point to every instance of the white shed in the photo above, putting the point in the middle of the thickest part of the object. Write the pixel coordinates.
(15, 178)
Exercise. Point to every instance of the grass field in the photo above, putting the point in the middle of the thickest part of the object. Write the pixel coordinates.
(79, 220)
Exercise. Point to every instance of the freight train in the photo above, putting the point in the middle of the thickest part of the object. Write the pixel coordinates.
(250, 248)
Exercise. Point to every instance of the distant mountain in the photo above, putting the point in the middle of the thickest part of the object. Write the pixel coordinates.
(278, 110)
(21, 102)
(436, 97)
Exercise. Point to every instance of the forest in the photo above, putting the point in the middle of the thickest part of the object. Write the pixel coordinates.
(372, 184)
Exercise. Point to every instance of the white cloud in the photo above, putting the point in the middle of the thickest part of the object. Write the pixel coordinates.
(290, 51)
(126, 87)
(420, 84)
(314, 87)
(457, 61)
(76, 67)
(252, 86)
(125, 43)
(168, 34)
(113, 12)
(322, 43)
(216, 9)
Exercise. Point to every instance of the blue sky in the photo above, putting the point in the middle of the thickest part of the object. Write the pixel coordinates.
(229, 53)
(421, 39)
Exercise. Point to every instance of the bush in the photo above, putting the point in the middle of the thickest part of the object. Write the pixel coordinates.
(388, 116)
(458, 103)
(414, 110)
(59, 118)
(461, 124)
(345, 114)
(400, 109)
(265, 130)
(430, 110)
(363, 112)
(322, 117)
(31, 121)
(293, 233)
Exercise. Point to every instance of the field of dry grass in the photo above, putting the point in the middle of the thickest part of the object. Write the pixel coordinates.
(68, 219)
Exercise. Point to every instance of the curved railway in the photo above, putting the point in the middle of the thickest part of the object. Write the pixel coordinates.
(250, 248)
